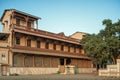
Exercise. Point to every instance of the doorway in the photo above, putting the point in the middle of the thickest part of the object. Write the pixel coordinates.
(62, 61)
(68, 61)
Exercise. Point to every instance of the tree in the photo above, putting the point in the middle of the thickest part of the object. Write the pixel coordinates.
(111, 35)
(103, 47)
(95, 47)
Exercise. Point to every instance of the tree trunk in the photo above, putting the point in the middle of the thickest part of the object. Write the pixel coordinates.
(113, 59)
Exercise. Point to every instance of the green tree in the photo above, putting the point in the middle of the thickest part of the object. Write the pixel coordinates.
(95, 47)
(103, 47)
(111, 35)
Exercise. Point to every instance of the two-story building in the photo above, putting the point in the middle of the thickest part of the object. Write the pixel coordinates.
(25, 49)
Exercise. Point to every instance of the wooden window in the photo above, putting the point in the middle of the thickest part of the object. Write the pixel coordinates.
(29, 43)
(17, 40)
(3, 26)
(80, 51)
(29, 25)
(68, 48)
(62, 47)
(18, 60)
(46, 62)
(38, 61)
(3, 57)
(6, 23)
(74, 49)
(38, 44)
(28, 61)
(17, 22)
(47, 45)
(54, 46)
(54, 62)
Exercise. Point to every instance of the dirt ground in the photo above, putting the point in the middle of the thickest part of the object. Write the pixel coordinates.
(59, 77)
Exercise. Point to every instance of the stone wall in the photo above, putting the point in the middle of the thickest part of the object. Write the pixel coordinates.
(112, 70)
(86, 70)
(37, 71)
(32, 71)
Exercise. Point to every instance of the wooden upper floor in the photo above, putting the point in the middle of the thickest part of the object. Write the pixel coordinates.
(25, 23)
(13, 16)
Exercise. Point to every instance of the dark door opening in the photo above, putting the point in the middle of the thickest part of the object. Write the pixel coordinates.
(61, 61)
(68, 61)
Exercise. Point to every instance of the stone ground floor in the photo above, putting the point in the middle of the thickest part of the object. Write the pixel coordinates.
(59, 77)
(34, 64)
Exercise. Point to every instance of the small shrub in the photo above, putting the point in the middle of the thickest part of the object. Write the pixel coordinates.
(58, 72)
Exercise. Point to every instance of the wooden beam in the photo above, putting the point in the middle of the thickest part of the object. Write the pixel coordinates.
(33, 61)
(50, 62)
(23, 60)
(42, 62)
(37, 24)
(13, 38)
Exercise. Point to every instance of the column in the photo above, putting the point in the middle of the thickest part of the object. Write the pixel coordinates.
(50, 62)
(23, 60)
(36, 25)
(12, 16)
(42, 61)
(13, 39)
(64, 61)
(26, 19)
(11, 54)
(33, 61)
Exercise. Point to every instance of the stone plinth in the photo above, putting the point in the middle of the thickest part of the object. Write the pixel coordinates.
(69, 69)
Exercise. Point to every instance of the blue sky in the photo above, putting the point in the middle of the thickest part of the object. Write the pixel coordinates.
(67, 16)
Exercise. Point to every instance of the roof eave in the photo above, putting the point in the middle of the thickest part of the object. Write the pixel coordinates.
(19, 12)
(26, 14)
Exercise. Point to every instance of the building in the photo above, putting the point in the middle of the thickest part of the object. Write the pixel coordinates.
(78, 35)
(24, 49)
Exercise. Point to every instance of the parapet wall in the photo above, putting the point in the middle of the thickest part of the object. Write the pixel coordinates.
(112, 70)
(32, 71)
(37, 71)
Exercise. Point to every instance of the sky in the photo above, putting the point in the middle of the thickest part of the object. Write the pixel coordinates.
(68, 16)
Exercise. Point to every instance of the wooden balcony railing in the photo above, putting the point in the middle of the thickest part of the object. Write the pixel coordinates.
(47, 50)
(45, 33)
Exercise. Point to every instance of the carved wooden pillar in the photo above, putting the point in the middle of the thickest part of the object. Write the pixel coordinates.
(64, 61)
(50, 62)
(23, 60)
(12, 17)
(36, 25)
(75, 50)
(33, 61)
(11, 58)
(13, 39)
(26, 40)
(26, 20)
(42, 61)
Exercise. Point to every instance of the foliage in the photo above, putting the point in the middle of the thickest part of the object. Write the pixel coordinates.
(94, 46)
(58, 72)
(104, 46)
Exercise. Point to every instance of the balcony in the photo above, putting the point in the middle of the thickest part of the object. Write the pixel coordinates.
(33, 50)
(42, 33)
